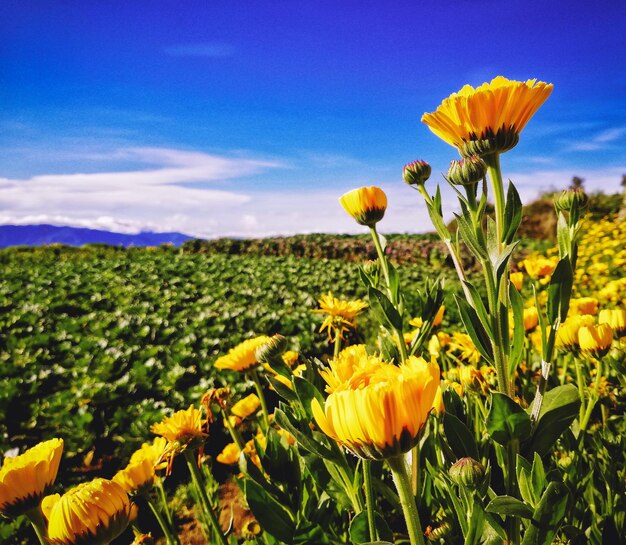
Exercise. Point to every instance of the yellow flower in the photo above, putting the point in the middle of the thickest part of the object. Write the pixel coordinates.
(531, 318)
(595, 340)
(538, 266)
(380, 411)
(246, 406)
(616, 318)
(345, 365)
(243, 356)
(136, 477)
(340, 314)
(567, 334)
(25, 479)
(462, 343)
(156, 452)
(366, 205)
(182, 427)
(489, 118)
(229, 455)
(472, 379)
(517, 279)
(584, 305)
(48, 503)
(439, 316)
(93, 513)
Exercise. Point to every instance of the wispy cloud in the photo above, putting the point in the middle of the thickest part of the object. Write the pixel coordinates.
(207, 49)
(599, 141)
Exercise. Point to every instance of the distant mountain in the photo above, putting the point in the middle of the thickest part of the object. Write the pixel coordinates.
(37, 235)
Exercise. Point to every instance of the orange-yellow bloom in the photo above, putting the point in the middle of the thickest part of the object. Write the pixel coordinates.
(595, 340)
(182, 427)
(583, 305)
(489, 118)
(380, 411)
(366, 205)
(346, 364)
(93, 513)
(25, 479)
(531, 318)
(246, 406)
(136, 477)
(616, 318)
(567, 334)
(243, 356)
(229, 455)
(340, 314)
(156, 452)
(517, 279)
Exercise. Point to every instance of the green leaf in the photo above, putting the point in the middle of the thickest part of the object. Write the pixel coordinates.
(359, 529)
(474, 328)
(507, 420)
(478, 305)
(509, 506)
(309, 532)
(512, 214)
(281, 389)
(394, 282)
(305, 440)
(538, 476)
(460, 438)
(560, 290)
(384, 309)
(517, 344)
(272, 516)
(558, 411)
(469, 237)
(306, 393)
(547, 516)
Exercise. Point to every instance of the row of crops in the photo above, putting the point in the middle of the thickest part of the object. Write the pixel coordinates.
(96, 342)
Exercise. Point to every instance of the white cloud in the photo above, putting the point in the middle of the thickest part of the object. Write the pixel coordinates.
(162, 194)
(600, 141)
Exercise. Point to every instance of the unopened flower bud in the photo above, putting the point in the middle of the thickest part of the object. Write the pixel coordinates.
(416, 173)
(272, 349)
(467, 472)
(570, 199)
(467, 171)
(564, 462)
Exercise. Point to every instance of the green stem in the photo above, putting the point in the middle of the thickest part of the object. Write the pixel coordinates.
(337, 347)
(381, 258)
(512, 450)
(39, 524)
(593, 398)
(385, 267)
(196, 477)
(495, 177)
(407, 500)
(581, 389)
(170, 537)
(261, 395)
(161, 491)
(497, 343)
(369, 499)
(236, 436)
(546, 361)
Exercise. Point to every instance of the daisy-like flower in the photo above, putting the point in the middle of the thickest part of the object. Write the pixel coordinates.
(340, 314)
(366, 205)
(25, 479)
(489, 118)
(156, 452)
(243, 356)
(137, 476)
(92, 513)
(345, 365)
(595, 340)
(182, 427)
(380, 411)
(246, 406)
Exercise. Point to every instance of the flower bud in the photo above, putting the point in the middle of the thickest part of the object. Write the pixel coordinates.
(440, 532)
(366, 205)
(416, 173)
(468, 171)
(571, 199)
(272, 349)
(467, 472)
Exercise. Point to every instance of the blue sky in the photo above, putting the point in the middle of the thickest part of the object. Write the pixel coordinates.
(251, 118)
